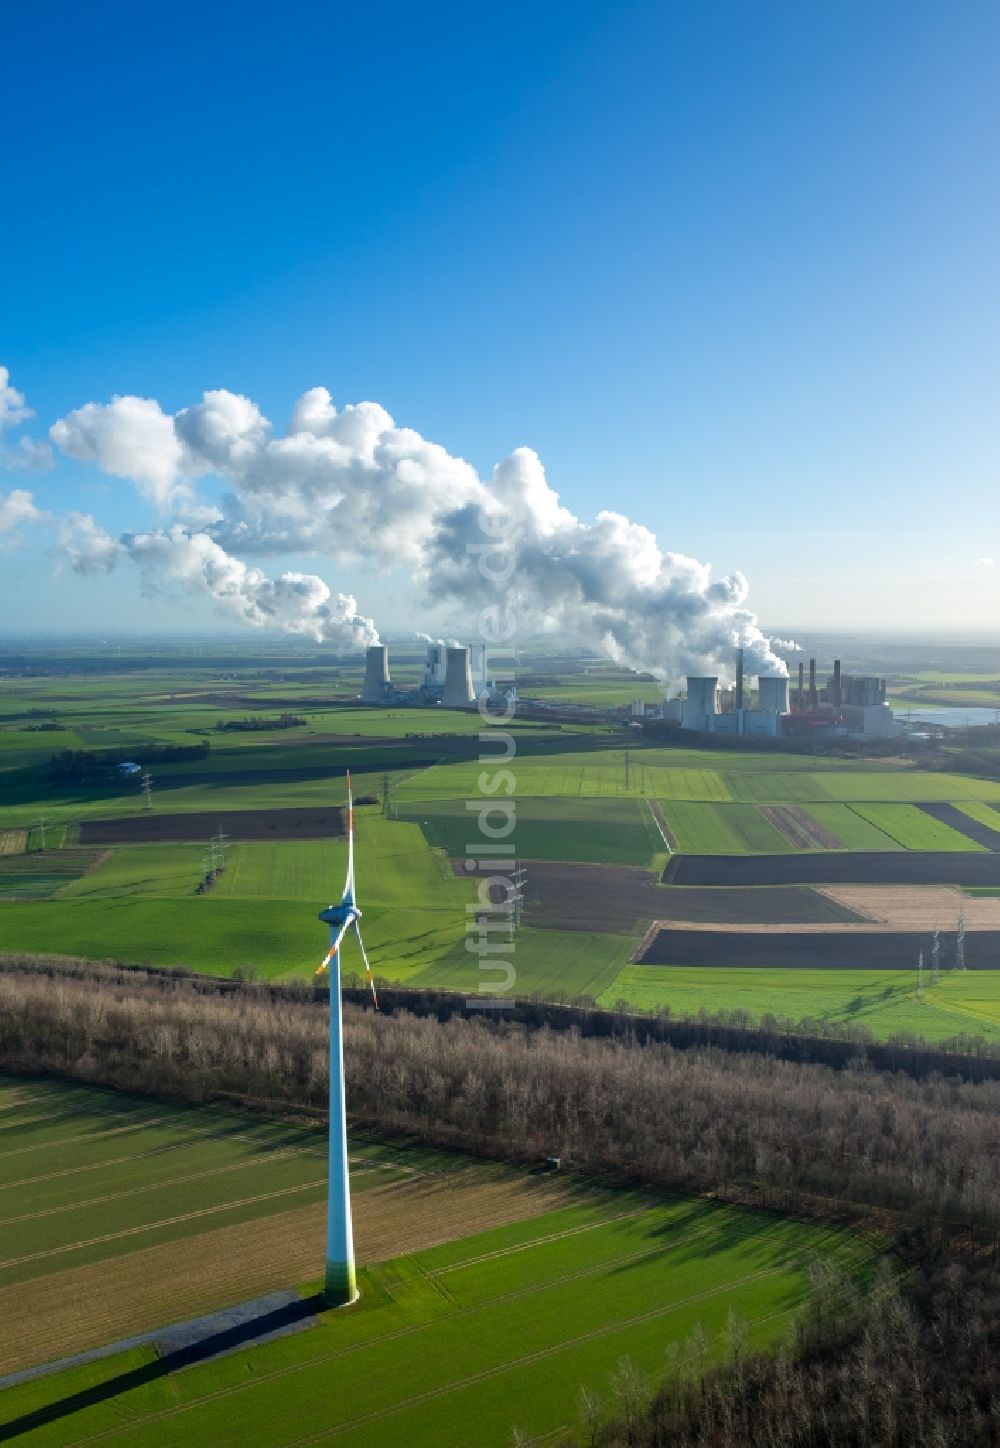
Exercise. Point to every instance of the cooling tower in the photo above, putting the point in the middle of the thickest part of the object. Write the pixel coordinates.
(376, 675)
(700, 702)
(434, 667)
(772, 694)
(458, 690)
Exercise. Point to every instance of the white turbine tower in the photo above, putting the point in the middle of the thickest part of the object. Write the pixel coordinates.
(340, 1285)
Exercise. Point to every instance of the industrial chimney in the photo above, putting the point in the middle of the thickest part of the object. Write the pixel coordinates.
(801, 701)
(813, 696)
(739, 679)
(376, 683)
(458, 690)
(835, 689)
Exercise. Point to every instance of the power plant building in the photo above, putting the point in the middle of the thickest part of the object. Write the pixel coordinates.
(700, 711)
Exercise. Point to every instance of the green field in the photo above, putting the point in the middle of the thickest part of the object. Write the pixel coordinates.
(607, 831)
(724, 829)
(39, 875)
(913, 829)
(88, 1174)
(887, 1002)
(984, 813)
(499, 1331)
(854, 831)
(581, 795)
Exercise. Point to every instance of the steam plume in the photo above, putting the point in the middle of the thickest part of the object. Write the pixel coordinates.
(355, 487)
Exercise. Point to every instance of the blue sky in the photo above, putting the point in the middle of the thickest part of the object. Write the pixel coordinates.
(730, 269)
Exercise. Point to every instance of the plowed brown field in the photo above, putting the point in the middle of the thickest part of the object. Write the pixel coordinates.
(87, 1307)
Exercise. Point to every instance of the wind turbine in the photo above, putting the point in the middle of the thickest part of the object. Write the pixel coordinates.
(340, 1284)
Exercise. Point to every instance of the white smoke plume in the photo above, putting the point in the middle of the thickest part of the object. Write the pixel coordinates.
(85, 545)
(176, 562)
(355, 487)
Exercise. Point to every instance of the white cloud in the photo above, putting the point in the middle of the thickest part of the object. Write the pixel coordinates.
(26, 455)
(17, 507)
(12, 407)
(984, 563)
(129, 437)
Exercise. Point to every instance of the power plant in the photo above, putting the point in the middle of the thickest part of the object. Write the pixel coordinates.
(454, 675)
(848, 706)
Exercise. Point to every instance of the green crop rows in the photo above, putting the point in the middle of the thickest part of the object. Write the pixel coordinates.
(887, 1002)
(499, 1329)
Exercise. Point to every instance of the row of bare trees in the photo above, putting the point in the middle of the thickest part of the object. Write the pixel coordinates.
(697, 1119)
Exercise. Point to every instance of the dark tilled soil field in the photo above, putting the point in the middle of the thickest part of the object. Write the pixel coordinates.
(949, 814)
(618, 899)
(826, 950)
(849, 868)
(622, 899)
(774, 905)
(248, 824)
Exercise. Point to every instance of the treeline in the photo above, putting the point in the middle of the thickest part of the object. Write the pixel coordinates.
(809, 1041)
(748, 1126)
(257, 722)
(77, 766)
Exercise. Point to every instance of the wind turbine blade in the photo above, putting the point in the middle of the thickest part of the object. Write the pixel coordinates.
(335, 945)
(349, 886)
(364, 957)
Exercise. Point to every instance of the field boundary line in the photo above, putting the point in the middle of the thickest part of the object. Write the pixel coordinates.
(660, 821)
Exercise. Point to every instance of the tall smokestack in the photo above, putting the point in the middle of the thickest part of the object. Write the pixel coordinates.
(813, 699)
(835, 691)
(802, 686)
(739, 679)
(458, 690)
(376, 675)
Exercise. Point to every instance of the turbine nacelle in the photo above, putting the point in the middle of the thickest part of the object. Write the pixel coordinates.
(343, 914)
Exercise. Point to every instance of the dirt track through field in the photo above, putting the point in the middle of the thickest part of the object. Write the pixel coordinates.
(241, 824)
(851, 867)
(86, 1307)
